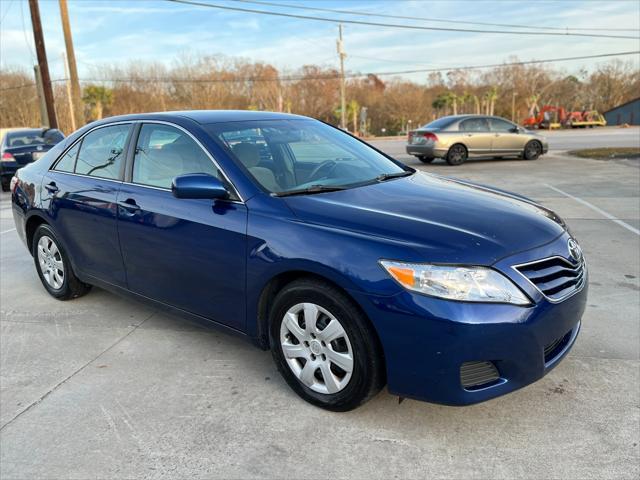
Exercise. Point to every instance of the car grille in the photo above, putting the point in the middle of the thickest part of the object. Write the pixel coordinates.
(556, 277)
(552, 350)
(474, 375)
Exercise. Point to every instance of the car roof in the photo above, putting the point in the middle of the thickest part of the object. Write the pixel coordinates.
(470, 115)
(208, 116)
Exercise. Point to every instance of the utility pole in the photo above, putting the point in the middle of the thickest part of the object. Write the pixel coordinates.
(42, 63)
(513, 106)
(76, 93)
(72, 115)
(44, 118)
(343, 101)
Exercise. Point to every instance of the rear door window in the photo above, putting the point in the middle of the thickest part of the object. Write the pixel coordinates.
(68, 161)
(474, 125)
(102, 152)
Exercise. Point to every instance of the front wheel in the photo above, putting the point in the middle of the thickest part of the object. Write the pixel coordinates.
(457, 154)
(532, 150)
(53, 266)
(324, 347)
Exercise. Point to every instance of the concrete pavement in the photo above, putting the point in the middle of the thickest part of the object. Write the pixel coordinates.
(102, 387)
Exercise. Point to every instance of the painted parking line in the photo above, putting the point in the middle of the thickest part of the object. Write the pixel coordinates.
(7, 231)
(595, 209)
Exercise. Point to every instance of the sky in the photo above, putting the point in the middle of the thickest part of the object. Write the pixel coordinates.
(120, 32)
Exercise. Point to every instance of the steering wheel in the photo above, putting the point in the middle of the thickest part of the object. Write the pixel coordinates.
(325, 168)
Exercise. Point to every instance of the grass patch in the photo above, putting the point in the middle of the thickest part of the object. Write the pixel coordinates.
(607, 153)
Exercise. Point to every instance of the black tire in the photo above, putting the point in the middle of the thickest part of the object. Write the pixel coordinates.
(457, 154)
(425, 159)
(5, 185)
(368, 374)
(532, 150)
(71, 286)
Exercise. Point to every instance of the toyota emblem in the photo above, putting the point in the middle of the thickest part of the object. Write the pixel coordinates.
(575, 252)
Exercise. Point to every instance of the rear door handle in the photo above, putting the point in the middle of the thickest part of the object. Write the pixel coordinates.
(51, 187)
(130, 205)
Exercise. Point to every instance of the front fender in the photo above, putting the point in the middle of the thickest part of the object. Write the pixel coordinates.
(280, 243)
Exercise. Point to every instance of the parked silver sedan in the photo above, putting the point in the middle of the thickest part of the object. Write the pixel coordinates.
(458, 137)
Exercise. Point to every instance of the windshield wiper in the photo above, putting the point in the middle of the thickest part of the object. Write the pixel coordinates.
(387, 176)
(309, 190)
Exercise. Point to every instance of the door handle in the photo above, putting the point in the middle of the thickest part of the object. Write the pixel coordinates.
(51, 187)
(130, 205)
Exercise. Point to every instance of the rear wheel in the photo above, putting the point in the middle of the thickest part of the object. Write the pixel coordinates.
(324, 347)
(5, 184)
(457, 154)
(532, 150)
(425, 158)
(53, 266)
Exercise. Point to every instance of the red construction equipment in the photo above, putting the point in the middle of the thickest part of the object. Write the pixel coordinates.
(551, 116)
(585, 119)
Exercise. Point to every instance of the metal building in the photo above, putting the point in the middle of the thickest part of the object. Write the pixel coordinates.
(628, 113)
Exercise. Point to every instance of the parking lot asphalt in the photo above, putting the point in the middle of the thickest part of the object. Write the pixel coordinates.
(102, 387)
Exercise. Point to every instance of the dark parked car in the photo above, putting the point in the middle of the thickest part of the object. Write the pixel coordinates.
(19, 147)
(355, 270)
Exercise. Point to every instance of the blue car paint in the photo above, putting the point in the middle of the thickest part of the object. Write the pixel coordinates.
(213, 260)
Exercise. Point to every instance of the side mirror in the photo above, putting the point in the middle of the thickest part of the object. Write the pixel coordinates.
(515, 130)
(198, 185)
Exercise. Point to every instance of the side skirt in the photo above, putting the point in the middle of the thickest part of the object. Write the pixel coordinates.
(183, 314)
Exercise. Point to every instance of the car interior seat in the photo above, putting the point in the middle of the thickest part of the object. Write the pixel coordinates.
(249, 155)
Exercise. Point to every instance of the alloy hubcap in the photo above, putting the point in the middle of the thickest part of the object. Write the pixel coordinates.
(316, 348)
(457, 154)
(50, 261)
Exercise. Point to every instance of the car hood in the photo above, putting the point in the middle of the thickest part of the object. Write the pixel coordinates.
(442, 220)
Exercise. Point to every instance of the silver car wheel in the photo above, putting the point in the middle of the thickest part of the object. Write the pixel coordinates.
(316, 348)
(51, 264)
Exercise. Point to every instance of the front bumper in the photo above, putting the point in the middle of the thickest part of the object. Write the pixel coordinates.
(426, 340)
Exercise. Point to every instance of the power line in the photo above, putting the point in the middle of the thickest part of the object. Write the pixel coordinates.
(511, 64)
(395, 25)
(437, 20)
(331, 76)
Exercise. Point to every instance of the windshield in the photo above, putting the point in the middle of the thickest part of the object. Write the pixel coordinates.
(292, 155)
(33, 137)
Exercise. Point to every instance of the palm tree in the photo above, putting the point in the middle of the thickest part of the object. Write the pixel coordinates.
(465, 98)
(96, 98)
(439, 103)
(490, 100)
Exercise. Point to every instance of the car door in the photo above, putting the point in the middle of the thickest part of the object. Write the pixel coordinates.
(505, 140)
(79, 193)
(475, 135)
(188, 253)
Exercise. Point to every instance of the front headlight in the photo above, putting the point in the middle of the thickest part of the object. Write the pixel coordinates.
(470, 284)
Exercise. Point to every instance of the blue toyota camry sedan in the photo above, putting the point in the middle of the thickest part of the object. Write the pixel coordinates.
(354, 269)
